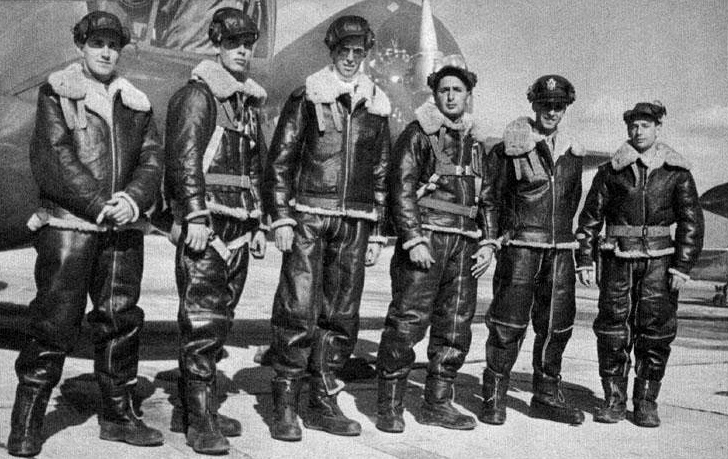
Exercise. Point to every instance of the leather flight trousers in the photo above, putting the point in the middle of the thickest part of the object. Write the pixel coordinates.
(315, 320)
(636, 310)
(536, 284)
(443, 297)
(209, 289)
(71, 265)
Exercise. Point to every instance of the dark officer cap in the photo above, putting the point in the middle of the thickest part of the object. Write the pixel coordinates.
(551, 88)
(651, 110)
(231, 22)
(349, 26)
(96, 21)
(453, 64)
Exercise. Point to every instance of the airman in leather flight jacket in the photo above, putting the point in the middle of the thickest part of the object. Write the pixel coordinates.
(307, 174)
(665, 195)
(536, 193)
(85, 151)
(194, 112)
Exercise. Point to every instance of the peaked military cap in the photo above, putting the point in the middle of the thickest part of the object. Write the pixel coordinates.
(551, 88)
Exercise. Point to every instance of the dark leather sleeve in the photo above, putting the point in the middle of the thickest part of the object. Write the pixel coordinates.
(591, 218)
(407, 165)
(147, 176)
(690, 224)
(191, 117)
(490, 199)
(258, 158)
(380, 176)
(55, 164)
(284, 156)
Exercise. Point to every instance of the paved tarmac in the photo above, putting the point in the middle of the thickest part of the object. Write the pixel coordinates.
(693, 402)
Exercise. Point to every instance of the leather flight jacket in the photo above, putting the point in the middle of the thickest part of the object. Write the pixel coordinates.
(214, 151)
(434, 180)
(92, 143)
(329, 156)
(536, 191)
(639, 198)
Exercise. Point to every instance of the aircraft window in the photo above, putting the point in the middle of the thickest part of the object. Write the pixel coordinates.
(182, 24)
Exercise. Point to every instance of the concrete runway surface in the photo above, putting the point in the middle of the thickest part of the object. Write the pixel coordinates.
(693, 401)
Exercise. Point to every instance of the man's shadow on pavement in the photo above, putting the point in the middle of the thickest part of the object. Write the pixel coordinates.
(470, 394)
(468, 390)
(80, 400)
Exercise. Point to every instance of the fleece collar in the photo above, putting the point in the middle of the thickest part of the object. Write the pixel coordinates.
(431, 120)
(653, 158)
(324, 87)
(223, 84)
(73, 83)
(521, 137)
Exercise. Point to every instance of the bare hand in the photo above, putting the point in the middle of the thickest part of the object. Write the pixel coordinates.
(420, 255)
(586, 277)
(119, 210)
(284, 238)
(483, 258)
(197, 236)
(676, 282)
(258, 245)
(372, 255)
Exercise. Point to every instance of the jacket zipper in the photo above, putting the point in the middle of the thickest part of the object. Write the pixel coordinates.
(113, 146)
(113, 253)
(553, 207)
(346, 157)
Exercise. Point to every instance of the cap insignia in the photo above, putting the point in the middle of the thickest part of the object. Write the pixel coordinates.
(551, 84)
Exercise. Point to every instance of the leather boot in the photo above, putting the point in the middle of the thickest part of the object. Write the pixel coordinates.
(203, 433)
(437, 407)
(495, 387)
(390, 395)
(645, 407)
(228, 426)
(615, 396)
(324, 412)
(26, 420)
(285, 424)
(548, 401)
(118, 420)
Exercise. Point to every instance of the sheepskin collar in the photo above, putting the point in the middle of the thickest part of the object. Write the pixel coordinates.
(324, 87)
(654, 158)
(223, 84)
(521, 137)
(431, 120)
(73, 83)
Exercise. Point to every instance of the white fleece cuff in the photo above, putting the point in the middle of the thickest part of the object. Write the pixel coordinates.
(378, 239)
(414, 241)
(283, 222)
(495, 243)
(677, 273)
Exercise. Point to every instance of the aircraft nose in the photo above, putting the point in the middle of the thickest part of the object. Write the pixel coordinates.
(715, 200)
